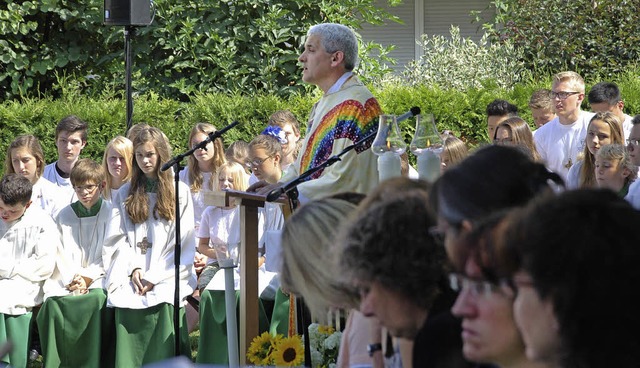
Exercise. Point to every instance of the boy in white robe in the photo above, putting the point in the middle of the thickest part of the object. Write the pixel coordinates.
(74, 322)
(28, 240)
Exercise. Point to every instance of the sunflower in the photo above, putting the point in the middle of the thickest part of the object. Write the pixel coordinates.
(260, 349)
(327, 330)
(289, 352)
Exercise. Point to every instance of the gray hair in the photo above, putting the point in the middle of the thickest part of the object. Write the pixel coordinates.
(336, 37)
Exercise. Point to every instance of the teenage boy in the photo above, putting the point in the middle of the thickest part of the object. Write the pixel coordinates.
(28, 242)
(71, 138)
(561, 140)
(79, 272)
(605, 96)
(497, 112)
(541, 106)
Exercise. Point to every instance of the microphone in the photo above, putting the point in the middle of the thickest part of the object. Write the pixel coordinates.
(211, 137)
(409, 114)
(219, 133)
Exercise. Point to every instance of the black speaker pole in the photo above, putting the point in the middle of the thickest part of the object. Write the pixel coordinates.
(129, 32)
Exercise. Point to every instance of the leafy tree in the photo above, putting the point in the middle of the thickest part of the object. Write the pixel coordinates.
(597, 38)
(243, 46)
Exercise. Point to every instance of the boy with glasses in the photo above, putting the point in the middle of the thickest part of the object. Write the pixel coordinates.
(633, 146)
(75, 299)
(28, 242)
(561, 140)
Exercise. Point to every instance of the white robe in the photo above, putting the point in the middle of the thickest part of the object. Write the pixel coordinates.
(46, 195)
(122, 253)
(198, 197)
(68, 195)
(27, 259)
(81, 250)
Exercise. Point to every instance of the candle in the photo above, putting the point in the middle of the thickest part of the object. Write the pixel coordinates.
(388, 166)
(428, 165)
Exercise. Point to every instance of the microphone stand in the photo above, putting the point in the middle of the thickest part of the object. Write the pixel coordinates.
(175, 162)
(289, 187)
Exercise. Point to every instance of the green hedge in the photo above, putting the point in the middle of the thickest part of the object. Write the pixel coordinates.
(460, 112)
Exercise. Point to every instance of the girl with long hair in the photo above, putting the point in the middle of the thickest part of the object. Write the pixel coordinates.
(140, 251)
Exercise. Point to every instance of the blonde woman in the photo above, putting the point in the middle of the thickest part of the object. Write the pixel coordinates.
(604, 128)
(117, 162)
(140, 250)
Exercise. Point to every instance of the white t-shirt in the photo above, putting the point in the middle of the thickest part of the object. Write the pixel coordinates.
(633, 196)
(559, 145)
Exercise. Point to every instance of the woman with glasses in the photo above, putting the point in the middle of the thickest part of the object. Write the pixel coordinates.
(604, 128)
(492, 179)
(573, 289)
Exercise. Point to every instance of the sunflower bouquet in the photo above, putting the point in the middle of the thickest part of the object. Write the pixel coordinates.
(279, 351)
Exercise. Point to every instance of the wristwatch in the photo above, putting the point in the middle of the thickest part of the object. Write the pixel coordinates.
(372, 348)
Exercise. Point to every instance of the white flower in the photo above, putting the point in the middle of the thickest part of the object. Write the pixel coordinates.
(316, 358)
(333, 341)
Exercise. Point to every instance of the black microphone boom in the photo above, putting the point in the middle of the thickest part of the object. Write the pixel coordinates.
(212, 136)
(409, 114)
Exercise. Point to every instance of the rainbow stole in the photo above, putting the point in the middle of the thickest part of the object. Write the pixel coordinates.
(351, 120)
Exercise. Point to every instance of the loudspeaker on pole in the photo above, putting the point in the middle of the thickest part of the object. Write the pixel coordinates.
(127, 12)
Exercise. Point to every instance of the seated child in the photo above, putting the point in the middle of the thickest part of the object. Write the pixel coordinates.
(220, 224)
(28, 242)
(71, 319)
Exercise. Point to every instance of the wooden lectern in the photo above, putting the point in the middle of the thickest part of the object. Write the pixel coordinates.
(248, 258)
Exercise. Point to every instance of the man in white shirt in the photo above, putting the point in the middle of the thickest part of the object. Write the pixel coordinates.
(561, 140)
(605, 96)
(71, 138)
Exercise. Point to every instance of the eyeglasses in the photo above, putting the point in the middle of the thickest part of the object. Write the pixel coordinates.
(475, 287)
(256, 162)
(562, 95)
(82, 188)
(633, 142)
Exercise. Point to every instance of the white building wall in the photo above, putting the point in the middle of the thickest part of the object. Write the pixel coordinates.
(432, 17)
